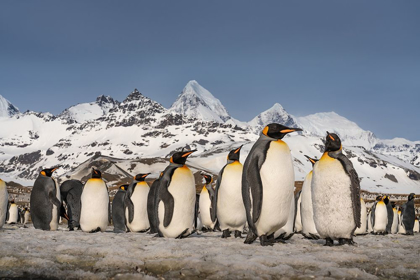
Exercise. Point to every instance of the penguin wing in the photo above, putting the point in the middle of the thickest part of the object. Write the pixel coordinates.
(52, 192)
(164, 195)
(354, 188)
(372, 214)
(129, 203)
(8, 210)
(213, 210)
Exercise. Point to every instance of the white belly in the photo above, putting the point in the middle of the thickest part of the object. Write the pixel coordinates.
(13, 214)
(204, 205)
(416, 226)
(4, 197)
(289, 226)
(369, 221)
(277, 176)
(401, 228)
(298, 220)
(182, 188)
(95, 201)
(331, 198)
(55, 211)
(306, 208)
(394, 227)
(381, 217)
(363, 219)
(139, 198)
(231, 212)
(27, 217)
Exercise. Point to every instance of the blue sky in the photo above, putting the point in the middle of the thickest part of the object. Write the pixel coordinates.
(360, 59)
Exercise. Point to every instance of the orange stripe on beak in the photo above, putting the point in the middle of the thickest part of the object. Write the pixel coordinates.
(187, 154)
(332, 138)
(286, 130)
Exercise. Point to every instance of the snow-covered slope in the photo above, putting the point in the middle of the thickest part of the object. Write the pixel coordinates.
(276, 114)
(197, 102)
(7, 109)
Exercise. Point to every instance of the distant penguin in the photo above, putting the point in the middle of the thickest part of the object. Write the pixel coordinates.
(45, 201)
(4, 199)
(27, 216)
(390, 214)
(94, 214)
(206, 203)
(176, 198)
(306, 207)
(136, 204)
(268, 183)
(401, 229)
(151, 200)
(335, 194)
(229, 206)
(287, 231)
(416, 225)
(118, 211)
(379, 217)
(394, 227)
(71, 193)
(363, 219)
(409, 214)
(369, 222)
(298, 219)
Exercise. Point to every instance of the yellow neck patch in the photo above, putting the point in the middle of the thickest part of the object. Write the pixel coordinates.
(265, 131)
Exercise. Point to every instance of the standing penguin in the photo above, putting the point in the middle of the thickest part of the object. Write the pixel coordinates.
(394, 227)
(369, 221)
(94, 214)
(306, 207)
(229, 206)
(335, 194)
(206, 204)
(267, 184)
(13, 217)
(401, 229)
(136, 204)
(45, 201)
(27, 216)
(416, 225)
(4, 199)
(379, 216)
(151, 199)
(390, 214)
(298, 219)
(71, 193)
(409, 214)
(363, 219)
(175, 203)
(118, 211)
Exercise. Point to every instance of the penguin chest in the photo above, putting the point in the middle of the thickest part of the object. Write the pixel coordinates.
(13, 214)
(307, 213)
(231, 212)
(381, 217)
(139, 198)
(277, 176)
(205, 205)
(95, 201)
(331, 198)
(394, 228)
(182, 189)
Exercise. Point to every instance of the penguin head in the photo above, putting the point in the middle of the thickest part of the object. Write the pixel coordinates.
(278, 131)
(140, 177)
(312, 160)
(48, 171)
(393, 204)
(25, 209)
(234, 154)
(181, 157)
(96, 173)
(208, 178)
(332, 143)
(124, 187)
(411, 196)
(386, 199)
(378, 198)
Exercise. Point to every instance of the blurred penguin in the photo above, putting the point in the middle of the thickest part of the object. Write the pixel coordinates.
(409, 214)
(394, 227)
(306, 207)
(363, 216)
(71, 193)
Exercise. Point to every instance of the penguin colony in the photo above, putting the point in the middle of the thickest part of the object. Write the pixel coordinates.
(256, 198)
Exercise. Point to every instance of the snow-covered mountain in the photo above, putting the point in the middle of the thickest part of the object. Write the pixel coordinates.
(7, 109)
(139, 134)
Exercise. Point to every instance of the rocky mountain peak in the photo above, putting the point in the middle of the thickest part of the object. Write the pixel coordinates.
(134, 95)
(276, 114)
(7, 109)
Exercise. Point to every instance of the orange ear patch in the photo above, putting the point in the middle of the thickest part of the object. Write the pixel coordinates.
(265, 130)
(43, 173)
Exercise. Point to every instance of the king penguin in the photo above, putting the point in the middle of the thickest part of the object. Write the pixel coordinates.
(136, 204)
(206, 203)
(26, 216)
(45, 201)
(335, 194)
(287, 231)
(369, 221)
(390, 214)
(409, 214)
(176, 196)
(416, 225)
(306, 208)
(401, 229)
(268, 183)
(363, 219)
(229, 206)
(71, 192)
(118, 212)
(298, 219)
(394, 227)
(94, 214)
(151, 199)
(4, 199)
(379, 216)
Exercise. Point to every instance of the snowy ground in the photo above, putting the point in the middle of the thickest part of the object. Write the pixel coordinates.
(30, 253)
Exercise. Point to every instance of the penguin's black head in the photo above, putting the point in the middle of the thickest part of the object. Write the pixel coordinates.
(332, 143)
(386, 199)
(141, 177)
(12, 201)
(96, 173)
(393, 204)
(208, 178)
(411, 196)
(378, 198)
(26, 209)
(181, 157)
(312, 160)
(278, 131)
(48, 171)
(124, 187)
(234, 154)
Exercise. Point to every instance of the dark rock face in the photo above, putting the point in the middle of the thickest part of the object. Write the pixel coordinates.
(391, 177)
(49, 152)
(26, 159)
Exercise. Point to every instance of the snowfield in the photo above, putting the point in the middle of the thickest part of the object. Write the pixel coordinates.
(26, 252)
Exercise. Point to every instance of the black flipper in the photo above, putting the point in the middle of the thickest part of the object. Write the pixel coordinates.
(128, 203)
(355, 184)
(7, 212)
(372, 214)
(165, 196)
(213, 210)
(169, 203)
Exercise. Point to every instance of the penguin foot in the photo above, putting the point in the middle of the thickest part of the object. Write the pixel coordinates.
(409, 233)
(346, 241)
(265, 241)
(329, 242)
(238, 234)
(181, 236)
(250, 237)
(226, 233)
(95, 230)
(71, 229)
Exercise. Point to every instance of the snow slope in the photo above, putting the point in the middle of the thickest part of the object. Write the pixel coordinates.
(7, 109)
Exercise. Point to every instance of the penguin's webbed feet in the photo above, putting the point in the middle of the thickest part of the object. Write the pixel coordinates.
(329, 242)
(266, 240)
(238, 234)
(226, 233)
(250, 238)
(346, 241)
